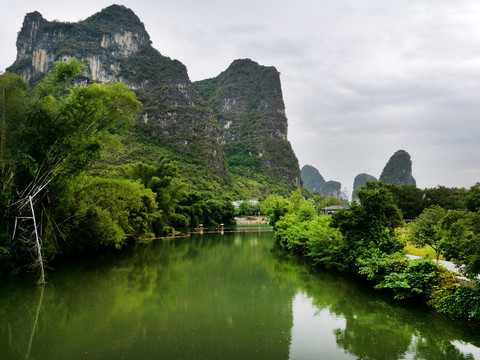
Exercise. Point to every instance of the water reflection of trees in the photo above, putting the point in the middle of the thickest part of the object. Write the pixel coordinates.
(145, 294)
(376, 327)
(145, 302)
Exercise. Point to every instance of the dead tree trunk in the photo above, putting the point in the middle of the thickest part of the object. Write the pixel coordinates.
(28, 235)
(39, 260)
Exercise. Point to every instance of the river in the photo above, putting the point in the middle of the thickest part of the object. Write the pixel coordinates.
(216, 296)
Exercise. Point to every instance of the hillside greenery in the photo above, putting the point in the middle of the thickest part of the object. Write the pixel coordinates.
(312, 179)
(365, 241)
(70, 177)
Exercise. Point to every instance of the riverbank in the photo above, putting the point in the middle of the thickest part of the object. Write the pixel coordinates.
(251, 220)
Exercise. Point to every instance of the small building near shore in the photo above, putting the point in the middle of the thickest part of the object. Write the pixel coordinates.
(329, 210)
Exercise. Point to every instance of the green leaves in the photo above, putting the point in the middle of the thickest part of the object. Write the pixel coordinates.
(372, 223)
(51, 136)
(426, 229)
(56, 83)
(111, 211)
(416, 277)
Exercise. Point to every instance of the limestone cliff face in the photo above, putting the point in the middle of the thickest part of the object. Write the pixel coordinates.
(247, 100)
(102, 41)
(398, 170)
(312, 179)
(360, 181)
(115, 46)
(239, 114)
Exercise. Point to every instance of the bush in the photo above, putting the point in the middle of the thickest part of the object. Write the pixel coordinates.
(459, 302)
(417, 277)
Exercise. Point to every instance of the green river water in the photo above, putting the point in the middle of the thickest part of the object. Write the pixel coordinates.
(214, 296)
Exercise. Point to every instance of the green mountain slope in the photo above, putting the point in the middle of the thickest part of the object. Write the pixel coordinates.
(239, 115)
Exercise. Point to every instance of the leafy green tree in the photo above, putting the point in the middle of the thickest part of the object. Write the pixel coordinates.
(460, 302)
(426, 230)
(409, 200)
(447, 198)
(246, 208)
(110, 212)
(369, 226)
(274, 207)
(296, 201)
(160, 178)
(14, 100)
(218, 211)
(417, 277)
(473, 198)
(461, 241)
(54, 135)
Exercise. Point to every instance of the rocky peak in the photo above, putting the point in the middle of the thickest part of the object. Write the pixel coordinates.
(113, 32)
(248, 103)
(247, 85)
(312, 180)
(398, 170)
(360, 181)
(245, 92)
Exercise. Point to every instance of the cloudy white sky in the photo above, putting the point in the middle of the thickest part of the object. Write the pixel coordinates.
(360, 78)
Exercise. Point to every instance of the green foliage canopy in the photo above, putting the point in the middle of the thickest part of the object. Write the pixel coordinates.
(370, 225)
(426, 229)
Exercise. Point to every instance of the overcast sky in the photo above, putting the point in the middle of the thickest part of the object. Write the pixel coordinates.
(360, 79)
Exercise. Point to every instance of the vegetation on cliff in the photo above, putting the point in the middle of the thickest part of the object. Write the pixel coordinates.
(52, 198)
(312, 179)
(398, 169)
(247, 101)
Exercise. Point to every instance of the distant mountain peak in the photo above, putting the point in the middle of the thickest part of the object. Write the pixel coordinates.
(398, 170)
(312, 179)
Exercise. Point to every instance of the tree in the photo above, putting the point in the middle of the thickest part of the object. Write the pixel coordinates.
(246, 208)
(409, 200)
(461, 241)
(160, 178)
(57, 137)
(473, 198)
(426, 230)
(275, 206)
(110, 212)
(447, 198)
(369, 226)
